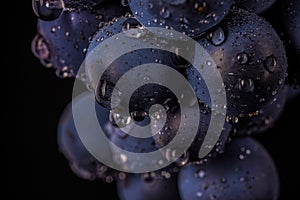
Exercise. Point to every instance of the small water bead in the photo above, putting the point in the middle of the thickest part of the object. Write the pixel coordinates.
(199, 194)
(248, 151)
(124, 2)
(242, 58)
(217, 37)
(201, 174)
(64, 72)
(208, 63)
(270, 63)
(48, 10)
(183, 160)
(223, 180)
(241, 157)
(165, 13)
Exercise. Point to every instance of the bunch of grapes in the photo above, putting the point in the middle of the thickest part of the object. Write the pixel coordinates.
(254, 44)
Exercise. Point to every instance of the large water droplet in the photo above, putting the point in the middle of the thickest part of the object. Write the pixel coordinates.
(48, 10)
(217, 37)
(246, 85)
(270, 63)
(242, 58)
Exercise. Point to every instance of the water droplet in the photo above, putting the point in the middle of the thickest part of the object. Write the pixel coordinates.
(184, 23)
(64, 72)
(183, 160)
(53, 29)
(217, 37)
(124, 2)
(248, 151)
(241, 157)
(199, 194)
(138, 115)
(242, 58)
(246, 85)
(223, 180)
(48, 10)
(270, 63)
(208, 63)
(122, 176)
(150, 5)
(201, 173)
(165, 13)
(109, 179)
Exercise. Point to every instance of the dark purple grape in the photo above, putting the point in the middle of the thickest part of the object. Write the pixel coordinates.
(245, 171)
(148, 187)
(263, 119)
(256, 6)
(48, 10)
(68, 37)
(251, 59)
(189, 17)
(81, 161)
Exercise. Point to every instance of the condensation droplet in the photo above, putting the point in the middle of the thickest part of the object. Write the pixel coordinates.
(165, 13)
(242, 58)
(246, 85)
(270, 63)
(199, 194)
(124, 2)
(201, 173)
(217, 37)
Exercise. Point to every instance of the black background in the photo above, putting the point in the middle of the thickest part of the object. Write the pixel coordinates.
(48, 175)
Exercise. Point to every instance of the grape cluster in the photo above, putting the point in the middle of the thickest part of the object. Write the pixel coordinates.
(254, 43)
